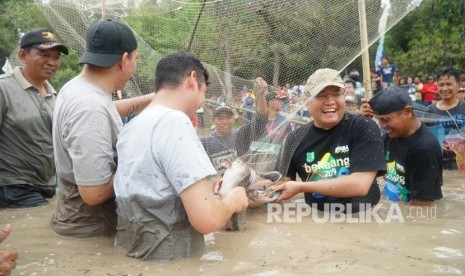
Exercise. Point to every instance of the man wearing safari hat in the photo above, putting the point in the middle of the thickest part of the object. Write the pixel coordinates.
(337, 156)
(86, 124)
(27, 168)
(413, 154)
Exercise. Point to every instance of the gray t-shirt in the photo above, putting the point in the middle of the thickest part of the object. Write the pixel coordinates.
(85, 128)
(26, 150)
(159, 155)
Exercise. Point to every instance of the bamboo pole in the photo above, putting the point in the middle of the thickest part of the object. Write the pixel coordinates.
(104, 10)
(364, 47)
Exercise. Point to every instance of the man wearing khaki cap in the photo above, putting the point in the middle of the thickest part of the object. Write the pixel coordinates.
(337, 156)
(27, 100)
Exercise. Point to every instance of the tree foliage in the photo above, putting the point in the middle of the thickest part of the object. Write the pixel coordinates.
(429, 39)
(426, 40)
(16, 17)
(20, 16)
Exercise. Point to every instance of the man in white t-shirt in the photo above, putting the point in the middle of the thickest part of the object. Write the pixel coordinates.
(162, 184)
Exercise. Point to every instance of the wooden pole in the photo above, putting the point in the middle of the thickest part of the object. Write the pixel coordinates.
(104, 10)
(364, 47)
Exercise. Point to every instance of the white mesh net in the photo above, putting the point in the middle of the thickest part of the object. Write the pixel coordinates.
(238, 40)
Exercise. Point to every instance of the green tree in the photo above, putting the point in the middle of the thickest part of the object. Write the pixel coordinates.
(20, 16)
(17, 17)
(429, 39)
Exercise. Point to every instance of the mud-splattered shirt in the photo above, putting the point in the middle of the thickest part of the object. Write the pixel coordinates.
(160, 155)
(86, 125)
(26, 149)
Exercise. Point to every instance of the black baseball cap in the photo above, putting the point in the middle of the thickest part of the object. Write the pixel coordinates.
(42, 39)
(106, 42)
(390, 100)
(223, 109)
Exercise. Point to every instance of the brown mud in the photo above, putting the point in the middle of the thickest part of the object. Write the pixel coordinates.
(426, 241)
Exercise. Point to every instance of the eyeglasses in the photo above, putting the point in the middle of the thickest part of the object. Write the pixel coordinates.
(335, 94)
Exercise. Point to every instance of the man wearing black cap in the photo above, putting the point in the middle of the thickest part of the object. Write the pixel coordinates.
(413, 154)
(224, 145)
(85, 128)
(337, 156)
(27, 100)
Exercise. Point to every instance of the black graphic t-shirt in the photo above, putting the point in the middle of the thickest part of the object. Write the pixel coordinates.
(414, 167)
(354, 145)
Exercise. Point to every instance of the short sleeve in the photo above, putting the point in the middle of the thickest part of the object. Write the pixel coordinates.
(180, 153)
(366, 147)
(90, 147)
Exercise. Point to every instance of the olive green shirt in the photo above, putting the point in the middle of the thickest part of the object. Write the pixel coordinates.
(26, 149)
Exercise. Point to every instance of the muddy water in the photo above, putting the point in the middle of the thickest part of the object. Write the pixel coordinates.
(417, 241)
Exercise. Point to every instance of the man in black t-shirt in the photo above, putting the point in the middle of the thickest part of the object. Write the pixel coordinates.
(413, 154)
(337, 156)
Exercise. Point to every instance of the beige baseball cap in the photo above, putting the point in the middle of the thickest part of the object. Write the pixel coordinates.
(321, 79)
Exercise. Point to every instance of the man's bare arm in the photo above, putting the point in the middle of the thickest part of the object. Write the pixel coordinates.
(137, 104)
(206, 211)
(97, 194)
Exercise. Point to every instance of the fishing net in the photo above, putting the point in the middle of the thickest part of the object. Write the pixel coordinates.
(450, 132)
(238, 40)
